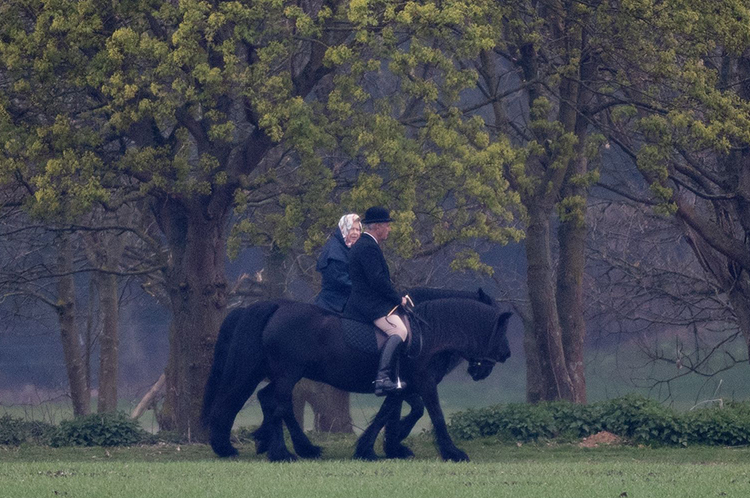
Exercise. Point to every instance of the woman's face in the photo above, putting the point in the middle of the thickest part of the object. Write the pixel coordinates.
(353, 234)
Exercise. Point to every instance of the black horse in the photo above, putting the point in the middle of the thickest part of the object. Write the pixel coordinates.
(397, 429)
(286, 341)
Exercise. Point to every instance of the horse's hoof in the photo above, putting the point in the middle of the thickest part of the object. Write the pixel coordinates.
(309, 452)
(455, 455)
(225, 450)
(400, 451)
(282, 457)
(369, 456)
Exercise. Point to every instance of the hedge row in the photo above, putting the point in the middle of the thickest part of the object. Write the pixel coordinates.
(636, 418)
(93, 430)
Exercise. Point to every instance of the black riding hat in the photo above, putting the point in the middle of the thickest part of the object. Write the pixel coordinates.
(376, 214)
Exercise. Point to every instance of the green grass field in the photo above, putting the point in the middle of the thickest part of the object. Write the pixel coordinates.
(496, 470)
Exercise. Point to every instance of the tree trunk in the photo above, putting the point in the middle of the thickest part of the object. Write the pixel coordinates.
(535, 384)
(541, 284)
(739, 297)
(330, 406)
(71, 343)
(150, 398)
(109, 342)
(572, 237)
(572, 241)
(196, 284)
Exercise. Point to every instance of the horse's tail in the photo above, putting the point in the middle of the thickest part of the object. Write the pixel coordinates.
(231, 342)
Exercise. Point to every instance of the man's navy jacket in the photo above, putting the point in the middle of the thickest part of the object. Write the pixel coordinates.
(373, 295)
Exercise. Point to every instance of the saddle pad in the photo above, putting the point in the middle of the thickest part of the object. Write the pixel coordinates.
(360, 336)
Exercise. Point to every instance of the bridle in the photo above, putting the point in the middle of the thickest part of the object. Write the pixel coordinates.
(478, 362)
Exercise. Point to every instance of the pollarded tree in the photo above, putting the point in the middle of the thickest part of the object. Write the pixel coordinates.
(682, 85)
(492, 104)
(180, 102)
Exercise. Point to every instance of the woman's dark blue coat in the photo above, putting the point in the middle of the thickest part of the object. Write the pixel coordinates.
(333, 265)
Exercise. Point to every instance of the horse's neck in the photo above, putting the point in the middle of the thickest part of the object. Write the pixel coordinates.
(456, 339)
(428, 294)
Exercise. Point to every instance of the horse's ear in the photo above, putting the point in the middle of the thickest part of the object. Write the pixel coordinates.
(502, 320)
(484, 297)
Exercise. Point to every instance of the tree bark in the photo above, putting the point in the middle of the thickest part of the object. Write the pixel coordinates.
(572, 238)
(542, 295)
(196, 284)
(330, 406)
(109, 343)
(71, 343)
(149, 398)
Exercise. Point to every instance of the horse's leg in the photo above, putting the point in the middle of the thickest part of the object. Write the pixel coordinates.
(366, 442)
(283, 409)
(396, 430)
(416, 412)
(228, 402)
(391, 444)
(262, 433)
(448, 450)
(302, 444)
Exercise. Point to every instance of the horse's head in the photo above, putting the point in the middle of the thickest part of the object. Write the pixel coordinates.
(480, 369)
(498, 351)
(500, 348)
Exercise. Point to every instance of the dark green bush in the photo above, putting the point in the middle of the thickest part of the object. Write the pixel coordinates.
(523, 422)
(641, 420)
(728, 426)
(115, 429)
(574, 421)
(16, 431)
(636, 418)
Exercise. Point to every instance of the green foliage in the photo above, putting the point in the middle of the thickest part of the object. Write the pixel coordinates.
(635, 418)
(728, 426)
(99, 430)
(642, 420)
(16, 431)
(524, 422)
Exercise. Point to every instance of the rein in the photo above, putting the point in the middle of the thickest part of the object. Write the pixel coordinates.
(416, 323)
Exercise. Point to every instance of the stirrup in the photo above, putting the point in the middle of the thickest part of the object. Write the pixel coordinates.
(386, 386)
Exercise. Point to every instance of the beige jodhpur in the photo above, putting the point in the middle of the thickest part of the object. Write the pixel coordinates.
(393, 325)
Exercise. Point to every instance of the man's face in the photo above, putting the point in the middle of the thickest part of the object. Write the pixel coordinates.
(381, 230)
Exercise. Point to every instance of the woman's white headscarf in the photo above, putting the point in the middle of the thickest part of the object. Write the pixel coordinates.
(347, 222)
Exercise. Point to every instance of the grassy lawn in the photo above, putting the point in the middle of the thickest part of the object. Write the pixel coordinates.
(497, 469)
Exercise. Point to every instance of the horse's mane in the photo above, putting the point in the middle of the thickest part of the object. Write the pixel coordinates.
(452, 317)
(422, 294)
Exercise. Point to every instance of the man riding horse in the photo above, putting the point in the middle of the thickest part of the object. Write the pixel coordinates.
(373, 298)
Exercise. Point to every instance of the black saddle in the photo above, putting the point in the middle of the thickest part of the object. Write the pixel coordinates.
(367, 338)
(361, 336)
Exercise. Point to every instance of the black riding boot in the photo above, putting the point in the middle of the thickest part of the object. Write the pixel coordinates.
(388, 359)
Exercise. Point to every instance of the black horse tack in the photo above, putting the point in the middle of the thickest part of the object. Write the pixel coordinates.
(360, 336)
(286, 341)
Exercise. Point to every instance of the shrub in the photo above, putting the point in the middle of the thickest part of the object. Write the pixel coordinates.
(633, 417)
(574, 421)
(115, 429)
(728, 426)
(16, 431)
(642, 420)
(475, 423)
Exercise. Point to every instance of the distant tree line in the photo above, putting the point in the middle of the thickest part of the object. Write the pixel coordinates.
(149, 139)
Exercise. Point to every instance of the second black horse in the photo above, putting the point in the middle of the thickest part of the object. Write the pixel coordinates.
(285, 341)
